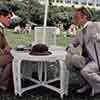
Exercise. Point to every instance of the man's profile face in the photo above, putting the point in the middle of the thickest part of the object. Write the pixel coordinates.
(79, 18)
(6, 20)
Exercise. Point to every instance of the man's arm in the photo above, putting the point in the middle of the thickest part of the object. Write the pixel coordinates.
(71, 48)
(7, 47)
(74, 42)
(97, 35)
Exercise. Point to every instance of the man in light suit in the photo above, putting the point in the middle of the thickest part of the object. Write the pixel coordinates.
(87, 63)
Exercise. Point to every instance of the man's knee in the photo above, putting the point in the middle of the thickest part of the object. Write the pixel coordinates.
(78, 61)
(89, 69)
(70, 61)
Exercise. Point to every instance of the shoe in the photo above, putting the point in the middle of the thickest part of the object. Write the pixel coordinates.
(83, 89)
(96, 94)
(93, 94)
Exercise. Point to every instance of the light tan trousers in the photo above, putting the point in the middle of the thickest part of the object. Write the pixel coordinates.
(89, 71)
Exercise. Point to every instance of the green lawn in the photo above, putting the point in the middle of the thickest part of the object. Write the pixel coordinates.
(16, 39)
(41, 94)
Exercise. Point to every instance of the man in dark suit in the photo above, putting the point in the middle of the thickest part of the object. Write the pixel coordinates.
(86, 63)
(5, 56)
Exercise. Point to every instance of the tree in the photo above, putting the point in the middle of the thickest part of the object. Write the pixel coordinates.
(34, 11)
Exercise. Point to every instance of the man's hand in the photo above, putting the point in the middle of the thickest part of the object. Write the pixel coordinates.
(72, 50)
(5, 59)
(7, 50)
(69, 47)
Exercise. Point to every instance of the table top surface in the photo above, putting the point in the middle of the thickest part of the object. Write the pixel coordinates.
(57, 54)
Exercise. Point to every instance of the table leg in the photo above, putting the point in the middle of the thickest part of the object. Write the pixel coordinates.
(40, 71)
(45, 72)
(17, 76)
(64, 78)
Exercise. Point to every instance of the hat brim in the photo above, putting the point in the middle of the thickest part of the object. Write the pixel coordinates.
(40, 54)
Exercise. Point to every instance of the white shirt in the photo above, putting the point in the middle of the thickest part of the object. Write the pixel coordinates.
(87, 23)
(2, 25)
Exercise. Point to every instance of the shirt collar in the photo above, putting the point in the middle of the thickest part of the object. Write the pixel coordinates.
(1, 25)
(86, 24)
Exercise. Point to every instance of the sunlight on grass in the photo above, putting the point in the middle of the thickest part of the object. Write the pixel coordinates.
(16, 39)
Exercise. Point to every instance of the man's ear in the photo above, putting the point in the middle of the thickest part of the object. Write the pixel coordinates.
(1, 17)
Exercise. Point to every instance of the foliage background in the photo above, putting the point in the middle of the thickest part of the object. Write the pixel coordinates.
(32, 10)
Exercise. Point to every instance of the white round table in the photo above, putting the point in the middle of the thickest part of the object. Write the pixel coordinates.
(58, 54)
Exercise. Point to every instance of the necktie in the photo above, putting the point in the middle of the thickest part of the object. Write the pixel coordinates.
(84, 50)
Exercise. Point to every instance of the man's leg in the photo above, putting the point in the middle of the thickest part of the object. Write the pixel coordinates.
(7, 71)
(6, 75)
(74, 62)
(77, 63)
(91, 73)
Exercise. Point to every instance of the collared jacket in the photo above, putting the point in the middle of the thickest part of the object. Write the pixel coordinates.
(3, 40)
(92, 31)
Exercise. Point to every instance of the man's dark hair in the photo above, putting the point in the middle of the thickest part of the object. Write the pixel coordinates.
(4, 10)
(85, 11)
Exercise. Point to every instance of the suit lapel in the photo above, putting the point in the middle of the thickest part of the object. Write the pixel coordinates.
(87, 36)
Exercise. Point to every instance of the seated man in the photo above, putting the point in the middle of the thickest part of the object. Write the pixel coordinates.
(5, 56)
(87, 63)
